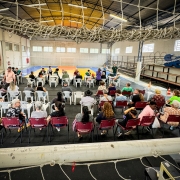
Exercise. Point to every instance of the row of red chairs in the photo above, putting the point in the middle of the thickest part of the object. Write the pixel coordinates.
(83, 128)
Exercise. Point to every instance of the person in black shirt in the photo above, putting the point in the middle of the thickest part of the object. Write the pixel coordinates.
(137, 97)
(32, 76)
(78, 76)
(130, 113)
(42, 72)
(59, 111)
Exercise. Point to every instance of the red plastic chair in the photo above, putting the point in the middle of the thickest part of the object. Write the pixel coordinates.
(127, 93)
(112, 92)
(84, 128)
(100, 92)
(121, 104)
(130, 125)
(172, 118)
(12, 123)
(146, 121)
(106, 125)
(102, 103)
(140, 105)
(63, 121)
(38, 123)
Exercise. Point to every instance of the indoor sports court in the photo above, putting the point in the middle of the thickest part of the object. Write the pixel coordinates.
(120, 120)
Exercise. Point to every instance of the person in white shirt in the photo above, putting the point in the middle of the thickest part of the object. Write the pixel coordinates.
(14, 88)
(102, 87)
(88, 100)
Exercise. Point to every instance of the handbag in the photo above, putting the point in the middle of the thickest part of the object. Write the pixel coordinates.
(156, 123)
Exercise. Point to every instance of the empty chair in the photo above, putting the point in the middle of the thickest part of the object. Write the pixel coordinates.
(31, 81)
(26, 106)
(53, 80)
(78, 94)
(42, 95)
(14, 95)
(28, 94)
(78, 81)
(90, 82)
(4, 106)
(68, 95)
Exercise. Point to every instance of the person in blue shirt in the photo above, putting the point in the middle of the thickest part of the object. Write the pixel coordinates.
(119, 97)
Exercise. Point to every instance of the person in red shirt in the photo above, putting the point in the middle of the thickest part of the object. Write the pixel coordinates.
(76, 72)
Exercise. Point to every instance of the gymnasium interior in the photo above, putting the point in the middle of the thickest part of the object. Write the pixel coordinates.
(140, 37)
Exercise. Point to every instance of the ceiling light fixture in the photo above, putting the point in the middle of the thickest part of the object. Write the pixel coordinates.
(32, 5)
(75, 21)
(74, 5)
(47, 21)
(119, 18)
(5, 9)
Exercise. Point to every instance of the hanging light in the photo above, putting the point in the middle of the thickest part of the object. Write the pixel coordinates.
(74, 5)
(75, 21)
(47, 21)
(32, 5)
(5, 9)
(117, 17)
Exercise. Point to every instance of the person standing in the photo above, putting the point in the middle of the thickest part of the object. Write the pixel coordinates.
(114, 69)
(9, 77)
(98, 76)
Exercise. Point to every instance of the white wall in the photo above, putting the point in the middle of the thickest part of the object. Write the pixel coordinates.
(161, 47)
(67, 59)
(15, 58)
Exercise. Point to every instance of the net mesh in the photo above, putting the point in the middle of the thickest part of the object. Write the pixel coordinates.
(89, 165)
(97, 34)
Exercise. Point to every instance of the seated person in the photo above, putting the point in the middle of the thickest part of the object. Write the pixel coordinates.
(32, 76)
(111, 88)
(88, 100)
(119, 97)
(59, 98)
(49, 72)
(59, 111)
(14, 88)
(149, 110)
(15, 111)
(103, 76)
(102, 87)
(136, 97)
(66, 87)
(88, 73)
(106, 113)
(18, 72)
(65, 75)
(29, 88)
(3, 91)
(117, 77)
(128, 88)
(157, 97)
(42, 72)
(175, 96)
(38, 113)
(105, 97)
(40, 87)
(84, 117)
(130, 113)
(78, 76)
(173, 110)
(76, 72)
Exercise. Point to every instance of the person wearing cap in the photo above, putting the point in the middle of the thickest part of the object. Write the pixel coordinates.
(15, 111)
(9, 77)
(88, 100)
(66, 87)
